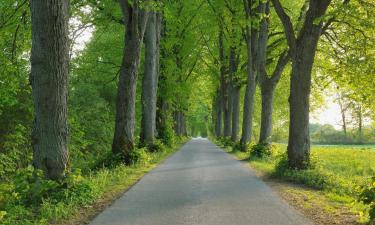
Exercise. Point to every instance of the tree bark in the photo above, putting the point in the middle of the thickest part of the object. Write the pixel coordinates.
(219, 114)
(267, 83)
(267, 92)
(235, 112)
(225, 87)
(248, 110)
(302, 50)
(135, 22)
(49, 81)
(234, 94)
(149, 84)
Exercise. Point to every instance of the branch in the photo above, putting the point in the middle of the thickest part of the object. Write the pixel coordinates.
(288, 26)
(281, 63)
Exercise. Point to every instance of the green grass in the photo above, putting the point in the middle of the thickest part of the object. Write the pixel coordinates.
(339, 171)
(58, 203)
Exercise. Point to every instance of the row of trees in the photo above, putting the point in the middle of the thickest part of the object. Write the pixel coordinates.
(167, 68)
(188, 61)
(264, 26)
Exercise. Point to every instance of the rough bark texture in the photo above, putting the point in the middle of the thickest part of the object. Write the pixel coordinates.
(267, 83)
(179, 123)
(247, 122)
(135, 22)
(267, 91)
(219, 114)
(235, 112)
(225, 86)
(302, 49)
(149, 84)
(49, 80)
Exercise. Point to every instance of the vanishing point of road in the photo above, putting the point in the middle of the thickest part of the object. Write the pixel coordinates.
(200, 185)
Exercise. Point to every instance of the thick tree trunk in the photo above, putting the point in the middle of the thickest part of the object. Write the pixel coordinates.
(299, 101)
(235, 113)
(302, 49)
(136, 19)
(149, 84)
(267, 90)
(49, 80)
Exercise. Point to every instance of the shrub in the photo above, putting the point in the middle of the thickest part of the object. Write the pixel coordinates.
(261, 150)
(367, 196)
(138, 156)
(157, 146)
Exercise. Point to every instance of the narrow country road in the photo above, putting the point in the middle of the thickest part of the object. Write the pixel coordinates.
(200, 185)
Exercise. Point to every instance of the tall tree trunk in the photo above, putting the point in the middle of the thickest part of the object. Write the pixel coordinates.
(302, 50)
(219, 114)
(135, 22)
(149, 84)
(235, 112)
(225, 86)
(267, 83)
(234, 94)
(49, 81)
(248, 110)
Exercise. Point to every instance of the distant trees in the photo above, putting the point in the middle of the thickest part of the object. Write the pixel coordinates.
(49, 81)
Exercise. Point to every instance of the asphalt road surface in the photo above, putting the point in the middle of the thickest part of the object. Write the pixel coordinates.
(200, 185)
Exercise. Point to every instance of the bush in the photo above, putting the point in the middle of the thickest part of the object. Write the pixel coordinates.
(367, 196)
(157, 146)
(30, 192)
(261, 150)
(138, 156)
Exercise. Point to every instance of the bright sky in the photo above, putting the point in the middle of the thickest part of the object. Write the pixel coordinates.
(329, 114)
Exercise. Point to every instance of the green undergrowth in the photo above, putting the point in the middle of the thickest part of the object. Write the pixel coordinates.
(30, 199)
(344, 174)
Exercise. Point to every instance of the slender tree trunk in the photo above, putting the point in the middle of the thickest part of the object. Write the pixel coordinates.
(343, 116)
(267, 83)
(149, 85)
(234, 95)
(219, 114)
(267, 90)
(135, 21)
(235, 113)
(49, 81)
(360, 124)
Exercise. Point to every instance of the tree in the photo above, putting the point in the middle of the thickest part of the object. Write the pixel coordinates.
(135, 23)
(150, 79)
(267, 83)
(302, 49)
(49, 80)
(248, 106)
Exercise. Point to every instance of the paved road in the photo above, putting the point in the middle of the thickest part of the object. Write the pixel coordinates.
(200, 185)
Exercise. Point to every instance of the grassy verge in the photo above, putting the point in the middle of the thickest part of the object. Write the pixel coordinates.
(333, 182)
(29, 200)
